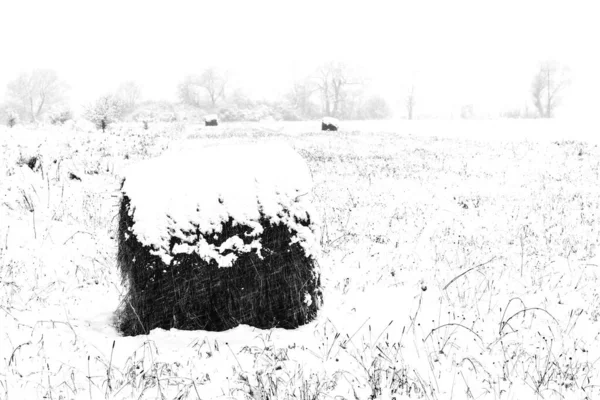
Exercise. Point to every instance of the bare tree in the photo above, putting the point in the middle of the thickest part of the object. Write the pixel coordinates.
(187, 91)
(547, 87)
(332, 80)
(323, 83)
(353, 104)
(300, 96)
(214, 83)
(411, 102)
(130, 93)
(34, 92)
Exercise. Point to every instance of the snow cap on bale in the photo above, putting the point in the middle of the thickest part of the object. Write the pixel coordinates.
(211, 120)
(329, 124)
(219, 236)
(208, 186)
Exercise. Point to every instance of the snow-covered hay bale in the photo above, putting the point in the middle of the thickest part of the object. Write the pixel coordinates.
(329, 124)
(211, 120)
(217, 237)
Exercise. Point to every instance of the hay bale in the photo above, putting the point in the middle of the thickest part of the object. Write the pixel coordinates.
(329, 124)
(202, 250)
(211, 120)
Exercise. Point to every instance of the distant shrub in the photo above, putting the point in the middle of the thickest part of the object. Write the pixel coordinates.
(168, 117)
(12, 118)
(467, 111)
(194, 115)
(252, 115)
(258, 112)
(290, 114)
(190, 114)
(377, 107)
(60, 116)
(153, 109)
(143, 115)
(512, 114)
(518, 113)
(231, 114)
(106, 110)
(261, 112)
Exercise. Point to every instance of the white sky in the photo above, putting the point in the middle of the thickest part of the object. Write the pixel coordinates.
(455, 52)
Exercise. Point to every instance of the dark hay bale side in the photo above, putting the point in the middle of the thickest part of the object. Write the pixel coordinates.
(329, 124)
(191, 294)
(328, 127)
(211, 120)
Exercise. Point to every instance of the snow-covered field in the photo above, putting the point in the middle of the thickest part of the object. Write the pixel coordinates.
(459, 260)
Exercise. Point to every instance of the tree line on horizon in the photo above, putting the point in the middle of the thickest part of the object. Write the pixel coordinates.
(335, 89)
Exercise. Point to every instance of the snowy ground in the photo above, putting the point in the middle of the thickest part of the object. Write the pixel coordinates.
(458, 261)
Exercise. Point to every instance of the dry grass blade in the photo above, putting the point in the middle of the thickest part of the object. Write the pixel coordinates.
(452, 324)
(467, 271)
(523, 311)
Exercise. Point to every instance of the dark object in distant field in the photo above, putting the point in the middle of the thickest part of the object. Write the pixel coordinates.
(211, 120)
(74, 177)
(468, 202)
(12, 120)
(329, 124)
(33, 162)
